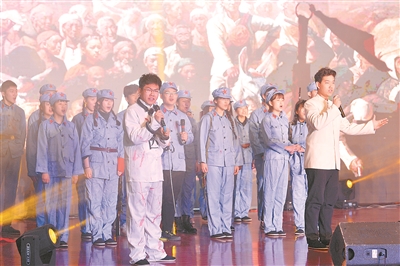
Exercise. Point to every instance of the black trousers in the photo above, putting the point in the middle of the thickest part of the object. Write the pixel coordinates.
(322, 196)
(168, 210)
(9, 175)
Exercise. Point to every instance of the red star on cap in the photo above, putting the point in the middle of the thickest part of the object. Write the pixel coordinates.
(223, 91)
(240, 101)
(170, 83)
(94, 90)
(62, 94)
(111, 93)
(185, 92)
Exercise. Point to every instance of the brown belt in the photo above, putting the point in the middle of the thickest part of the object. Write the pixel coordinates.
(103, 149)
(7, 136)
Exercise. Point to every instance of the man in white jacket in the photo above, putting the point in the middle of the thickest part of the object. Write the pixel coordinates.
(322, 157)
(144, 140)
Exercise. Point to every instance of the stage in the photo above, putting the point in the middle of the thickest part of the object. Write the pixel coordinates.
(249, 245)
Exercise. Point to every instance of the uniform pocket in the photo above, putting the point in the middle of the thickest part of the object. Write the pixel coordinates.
(213, 149)
(54, 145)
(214, 127)
(15, 125)
(96, 157)
(70, 147)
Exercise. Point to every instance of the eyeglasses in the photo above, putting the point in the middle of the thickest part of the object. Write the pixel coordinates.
(168, 93)
(150, 91)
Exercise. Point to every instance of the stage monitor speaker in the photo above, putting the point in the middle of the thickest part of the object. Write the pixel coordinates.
(366, 243)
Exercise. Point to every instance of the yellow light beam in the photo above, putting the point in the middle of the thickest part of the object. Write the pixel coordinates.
(71, 227)
(390, 169)
(27, 208)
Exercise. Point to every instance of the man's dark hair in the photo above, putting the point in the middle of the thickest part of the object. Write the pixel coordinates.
(149, 78)
(7, 84)
(130, 89)
(323, 72)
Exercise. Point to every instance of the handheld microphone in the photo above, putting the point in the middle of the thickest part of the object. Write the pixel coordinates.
(182, 125)
(162, 122)
(341, 111)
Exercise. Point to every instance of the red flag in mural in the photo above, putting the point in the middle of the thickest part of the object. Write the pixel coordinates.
(361, 41)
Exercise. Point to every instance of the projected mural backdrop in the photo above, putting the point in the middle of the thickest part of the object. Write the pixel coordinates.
(202, 45)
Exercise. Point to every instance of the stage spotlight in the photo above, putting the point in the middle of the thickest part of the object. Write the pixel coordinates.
(349, 183)
(346, 195)
(37, 247)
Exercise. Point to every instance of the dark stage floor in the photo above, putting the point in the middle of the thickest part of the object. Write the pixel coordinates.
(249, 246)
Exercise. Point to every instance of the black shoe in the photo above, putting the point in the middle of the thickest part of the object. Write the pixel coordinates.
(316, 244)
(237, 219)
(325, 242)
(8, 229)
(187, 226)
(111, 242)
(227, 235)
(165, 236)
(179, 224)
(272, 233)
(232, 228)
(219, 237)
(246, 219)
(86, 235)
(142, 262)
(99, 242)
(299, 232)
(63, 244)
(281, 233)
(166, 259)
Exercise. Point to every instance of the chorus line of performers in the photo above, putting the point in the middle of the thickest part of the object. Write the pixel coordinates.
(158, 151)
